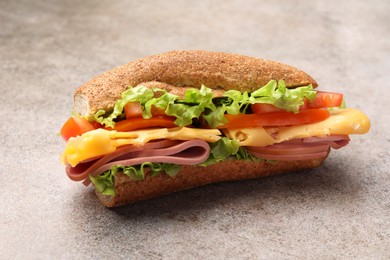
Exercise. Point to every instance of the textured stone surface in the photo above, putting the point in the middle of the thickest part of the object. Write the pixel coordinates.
(48, 48)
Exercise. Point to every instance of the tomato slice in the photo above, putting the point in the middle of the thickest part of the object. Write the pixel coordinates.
(157, 111)
(281, 118)
(264, 108)
(141, 123)
(326, 99)
(97, 125)
(323, 100)
(133, 109)
(75, 126)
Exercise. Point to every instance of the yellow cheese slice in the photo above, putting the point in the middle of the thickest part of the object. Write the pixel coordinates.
(100, 141)
(343, 121)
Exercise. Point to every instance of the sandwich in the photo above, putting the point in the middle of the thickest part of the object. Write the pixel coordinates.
(183, 119)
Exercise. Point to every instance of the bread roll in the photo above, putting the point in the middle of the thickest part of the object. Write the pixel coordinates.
(175, 71)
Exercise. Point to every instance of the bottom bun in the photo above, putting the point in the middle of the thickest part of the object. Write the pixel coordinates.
(127, 190)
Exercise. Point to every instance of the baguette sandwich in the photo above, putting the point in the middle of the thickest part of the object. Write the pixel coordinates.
(183, 119)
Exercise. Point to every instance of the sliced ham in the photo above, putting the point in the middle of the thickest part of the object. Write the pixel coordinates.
(291, 157)
(176, 152)
(300, 149)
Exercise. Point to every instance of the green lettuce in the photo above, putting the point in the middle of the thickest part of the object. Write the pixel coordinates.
(280, 96)
(140, 93)
(195, 102)
(243, 154)
(161, 102)
(224, 148)
(199, 103)
(104, 183)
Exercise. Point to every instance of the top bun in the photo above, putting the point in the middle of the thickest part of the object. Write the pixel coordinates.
(181, 69)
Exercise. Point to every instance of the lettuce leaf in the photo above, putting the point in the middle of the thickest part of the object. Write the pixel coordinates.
(161, 102)
(199, 103)
(279, 95)
(224, 148)
(104, 183)
(243, 154)
(195, 102)
(140, 93)
(216, 117)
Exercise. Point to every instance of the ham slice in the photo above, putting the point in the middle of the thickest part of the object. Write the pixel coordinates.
(168, 151)
(300, 149)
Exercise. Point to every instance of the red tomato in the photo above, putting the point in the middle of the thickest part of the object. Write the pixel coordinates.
(75, 126)
(326, 99)
(133, 109)
(157, 111)
(96, 125)
(281, 118)
(264, 108)
(141, 123)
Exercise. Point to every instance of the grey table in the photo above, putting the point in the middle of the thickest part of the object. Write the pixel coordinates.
(48, 48)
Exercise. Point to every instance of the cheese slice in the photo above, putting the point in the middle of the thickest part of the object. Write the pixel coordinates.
(343, 121)
(100, 141)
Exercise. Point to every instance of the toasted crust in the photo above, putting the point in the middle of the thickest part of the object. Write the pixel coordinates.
(128, 190)
(179, 69)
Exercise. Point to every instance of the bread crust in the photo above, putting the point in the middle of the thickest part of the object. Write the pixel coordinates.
(190, 68)
(128, 190)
